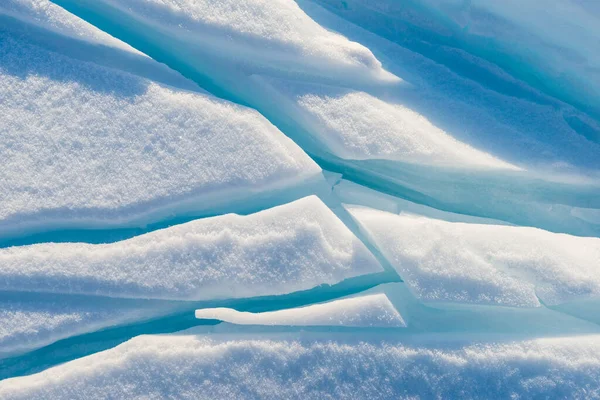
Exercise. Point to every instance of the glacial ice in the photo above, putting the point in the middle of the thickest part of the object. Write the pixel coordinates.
(482, 263)
(196, 366)
(288, 248)
(91, 146)
(363, 311)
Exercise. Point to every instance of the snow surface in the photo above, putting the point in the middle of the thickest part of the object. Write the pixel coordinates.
(364, 311)
(258, 35)
(31, 322)
(480, 263)
(191, 366)
(84, 144)
(359, 126)
(281, 250)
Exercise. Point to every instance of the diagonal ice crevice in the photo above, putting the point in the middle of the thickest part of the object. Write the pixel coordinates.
(560, 174)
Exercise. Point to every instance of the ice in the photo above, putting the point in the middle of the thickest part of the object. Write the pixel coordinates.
(29, 322)
(91, 146)
(485, 264)
(52, 17)
(359, 126)
(257, 35)
(307, 365)
(364, 311)
(281, 250)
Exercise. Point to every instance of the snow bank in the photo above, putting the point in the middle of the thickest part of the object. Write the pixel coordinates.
(364, 311)
(480, 263)
(310, 366)
(87, 145)
(281, 250)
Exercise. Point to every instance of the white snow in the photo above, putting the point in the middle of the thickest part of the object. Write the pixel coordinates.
(88, 145)
(309, 366)
(258, 35)
(281, 250)
(50, 16)
(364, 311)
(359, 126)
(32, 322)
(479, 263)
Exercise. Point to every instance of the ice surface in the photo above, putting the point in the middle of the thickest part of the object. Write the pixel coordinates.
(306, 366)
(364, 311)
(257, 35)
(480, 263)
(281, 250)
(28, 322)
(358, 126)
(84, 144)
(50, 16)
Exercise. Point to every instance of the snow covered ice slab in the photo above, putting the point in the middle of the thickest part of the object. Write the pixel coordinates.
(480, 263)
(310, 366)
(364, 311)
(32, 321)
(87, 145)
(288, 248)
(256, 35)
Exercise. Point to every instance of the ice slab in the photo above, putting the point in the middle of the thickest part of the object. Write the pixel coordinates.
(356, 125)
(288, 248)
(91, 146)
(32, 321)
(256, 35)
(363, 311)
(480, 263)
(305, 366)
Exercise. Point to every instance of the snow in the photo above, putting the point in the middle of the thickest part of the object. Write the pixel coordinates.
(305, 366)
(364, 311)
(30, 322)
(257, 35)
(359, 126)
(485, 264)
(281, 250)
(87, 145)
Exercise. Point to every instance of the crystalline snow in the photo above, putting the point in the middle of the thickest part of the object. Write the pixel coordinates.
(30, 323)
(311, 367)
(359, 126)
(479, 263)
(87, 144)
(258, 35)
(365, 311)
(281, 250)
(50, 16)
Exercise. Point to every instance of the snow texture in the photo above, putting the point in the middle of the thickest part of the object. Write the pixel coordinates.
(310, 367)
(363, 311)
(88, 145)
(479, 263)
(258, 35)
(281, 250)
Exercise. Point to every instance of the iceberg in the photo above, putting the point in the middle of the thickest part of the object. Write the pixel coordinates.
(299, 366)
(363, 311)
(281, 250)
